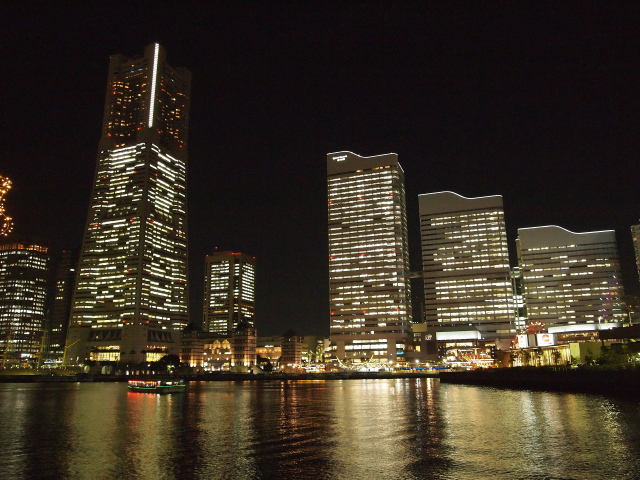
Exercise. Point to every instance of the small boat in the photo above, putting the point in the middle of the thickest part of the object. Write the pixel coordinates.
(157, 386)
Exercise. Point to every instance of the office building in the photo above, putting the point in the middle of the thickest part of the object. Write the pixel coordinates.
(467, 283)
(65, 281)
(24, 275)
(229, 292)
(519, 307)
(571, 281)
(369, 280)
(131, 296)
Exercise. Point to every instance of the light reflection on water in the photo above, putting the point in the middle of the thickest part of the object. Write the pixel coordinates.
(348, 429)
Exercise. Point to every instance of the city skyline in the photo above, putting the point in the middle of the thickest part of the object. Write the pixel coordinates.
(535, 104)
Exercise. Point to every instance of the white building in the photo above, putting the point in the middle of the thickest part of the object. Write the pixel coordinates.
(571, 281)
(468, 290)
(369, 289)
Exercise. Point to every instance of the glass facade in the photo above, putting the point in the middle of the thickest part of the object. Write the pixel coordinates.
(131, 287)
(369, 279)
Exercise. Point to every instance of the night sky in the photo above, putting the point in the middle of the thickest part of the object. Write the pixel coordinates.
(538, 102)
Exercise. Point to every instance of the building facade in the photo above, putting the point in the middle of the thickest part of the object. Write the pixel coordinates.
(571, 281)
(243, 347)
(467, 283)
(369, 279)
(131, 293)
(24, 277)
(65, 281)
(229, 292)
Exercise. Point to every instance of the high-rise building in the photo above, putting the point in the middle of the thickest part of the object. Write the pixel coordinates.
(24, 272)
(465, 260)
(229, 292)
(131, 291)
(519, 307)
(635, 234)
(571, 281)
(369, 279)
(61, 309)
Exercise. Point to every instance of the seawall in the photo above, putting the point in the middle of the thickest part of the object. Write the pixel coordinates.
(619, 382)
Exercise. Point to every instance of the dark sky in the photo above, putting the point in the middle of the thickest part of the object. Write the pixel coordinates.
(538, 102)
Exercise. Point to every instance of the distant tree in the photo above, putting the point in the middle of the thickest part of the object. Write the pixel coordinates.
(616, 354)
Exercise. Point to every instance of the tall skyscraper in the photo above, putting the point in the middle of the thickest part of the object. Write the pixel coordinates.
(131, 293)
(571, 280)
(61, 311)
(229, 292)
(466, 265)
(369, 279)
(24, 271)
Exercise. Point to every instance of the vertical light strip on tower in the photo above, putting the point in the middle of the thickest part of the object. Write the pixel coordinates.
(154, 75)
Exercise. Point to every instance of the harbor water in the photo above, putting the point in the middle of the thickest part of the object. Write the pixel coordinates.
(324, 429)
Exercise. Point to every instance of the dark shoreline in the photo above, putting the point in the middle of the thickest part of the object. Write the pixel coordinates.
(598, 381)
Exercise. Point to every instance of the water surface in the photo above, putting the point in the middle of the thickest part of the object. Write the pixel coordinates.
(333, 429)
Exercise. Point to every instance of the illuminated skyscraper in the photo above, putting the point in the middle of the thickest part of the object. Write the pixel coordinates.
(24, 270)
(369, 289)
(229, 298)
(131, 293)
(466, 266)
(571, 280)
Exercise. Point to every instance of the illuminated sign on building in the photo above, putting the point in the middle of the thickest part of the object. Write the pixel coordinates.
(545, 339)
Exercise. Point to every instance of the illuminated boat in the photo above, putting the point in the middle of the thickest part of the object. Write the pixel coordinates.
(157, 386)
